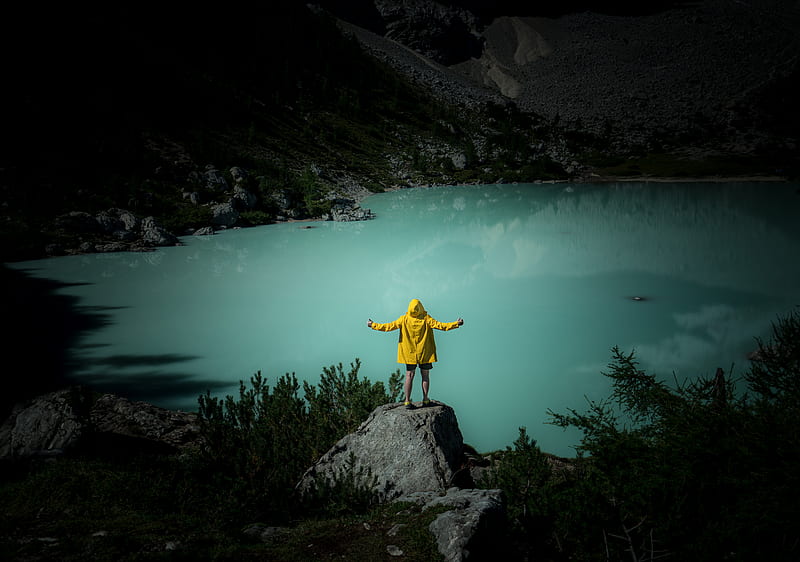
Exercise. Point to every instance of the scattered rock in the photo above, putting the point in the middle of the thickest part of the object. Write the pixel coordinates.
(214, 180)
(394, 550)
(263, 533)
(344, 210)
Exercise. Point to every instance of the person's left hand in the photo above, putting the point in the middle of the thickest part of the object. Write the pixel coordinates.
(369, 323)
(460, 321)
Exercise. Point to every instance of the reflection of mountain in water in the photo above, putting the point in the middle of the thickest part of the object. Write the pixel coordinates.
(710, 236)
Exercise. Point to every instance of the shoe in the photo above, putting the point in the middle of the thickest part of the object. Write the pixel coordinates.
(408, 405)
(426, 402)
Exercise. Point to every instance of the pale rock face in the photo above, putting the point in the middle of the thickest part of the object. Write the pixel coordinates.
(417, 456)
(404, 450)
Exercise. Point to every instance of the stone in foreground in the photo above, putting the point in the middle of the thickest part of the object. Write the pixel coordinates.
(405, 451)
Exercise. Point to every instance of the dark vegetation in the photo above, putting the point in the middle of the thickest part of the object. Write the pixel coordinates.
(125, 107)
(706, 470)
(117, 108)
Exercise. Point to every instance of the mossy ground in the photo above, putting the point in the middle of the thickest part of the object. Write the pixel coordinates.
(147, 509)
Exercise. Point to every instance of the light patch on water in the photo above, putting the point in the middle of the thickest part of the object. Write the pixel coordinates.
(543, 275)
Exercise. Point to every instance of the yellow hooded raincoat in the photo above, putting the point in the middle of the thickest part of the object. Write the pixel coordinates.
(416, 344)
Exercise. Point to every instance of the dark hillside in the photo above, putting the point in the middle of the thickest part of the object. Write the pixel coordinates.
(118, 108)
(127, 107)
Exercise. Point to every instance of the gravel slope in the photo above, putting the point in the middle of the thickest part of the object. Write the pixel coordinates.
(699, 65)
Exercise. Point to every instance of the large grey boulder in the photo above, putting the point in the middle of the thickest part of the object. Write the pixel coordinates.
(224, 214)
(72, 418)
(115, 415)
(46, 426)
(404, 450)
(471, 527)
(156, 235)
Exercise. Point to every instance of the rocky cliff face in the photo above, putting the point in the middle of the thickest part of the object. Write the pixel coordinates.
(690, 68)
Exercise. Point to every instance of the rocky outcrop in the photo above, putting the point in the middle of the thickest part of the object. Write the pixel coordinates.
(418, 456)
(343, 210)
(119, 230)
(113, 230)
(73, 419)
(415, 456)
(404, 451)
(472, 524)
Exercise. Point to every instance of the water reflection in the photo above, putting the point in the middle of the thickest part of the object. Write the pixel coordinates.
(542, 274)
(706, 235)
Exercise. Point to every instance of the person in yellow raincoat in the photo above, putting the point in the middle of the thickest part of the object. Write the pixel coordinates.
(416, 345)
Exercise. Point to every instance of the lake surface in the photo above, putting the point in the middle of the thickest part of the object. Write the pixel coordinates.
(544, 276)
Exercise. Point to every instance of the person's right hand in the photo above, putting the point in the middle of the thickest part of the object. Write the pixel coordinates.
(369, 323)
(460, 321)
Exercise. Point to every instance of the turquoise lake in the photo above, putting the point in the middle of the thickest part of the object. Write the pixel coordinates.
(544, 276)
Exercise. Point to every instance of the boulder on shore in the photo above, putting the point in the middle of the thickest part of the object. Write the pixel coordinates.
(74, 418)
(403, 450)
(418, 456)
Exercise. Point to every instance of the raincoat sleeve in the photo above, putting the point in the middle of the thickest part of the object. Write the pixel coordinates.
(436, 325)
(388, 327)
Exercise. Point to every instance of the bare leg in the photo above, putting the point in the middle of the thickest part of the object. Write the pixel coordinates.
(426, 383)
(409, 382)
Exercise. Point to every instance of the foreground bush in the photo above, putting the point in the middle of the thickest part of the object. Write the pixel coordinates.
(259, 445)
(707, 470)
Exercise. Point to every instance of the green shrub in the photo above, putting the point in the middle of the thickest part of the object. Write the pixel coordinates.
(698, 470)
(523, 472)
(259, 445)
(255, 218)
(351, 491)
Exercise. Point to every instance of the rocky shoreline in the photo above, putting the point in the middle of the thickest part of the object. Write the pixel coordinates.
(119, 230)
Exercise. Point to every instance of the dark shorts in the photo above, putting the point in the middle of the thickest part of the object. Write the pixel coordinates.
(423, 366)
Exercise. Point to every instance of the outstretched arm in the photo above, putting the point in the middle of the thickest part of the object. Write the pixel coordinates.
(384, 327)
(433, 323)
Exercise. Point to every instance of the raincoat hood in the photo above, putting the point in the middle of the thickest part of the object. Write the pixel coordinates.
(416, 310)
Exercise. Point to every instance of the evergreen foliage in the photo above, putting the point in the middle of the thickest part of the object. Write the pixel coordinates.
(704, 470)
(259, 445)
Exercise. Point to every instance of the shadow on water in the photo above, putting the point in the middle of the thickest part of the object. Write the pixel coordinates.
(41, 348)
(149, 385)
(153, 386)
(42, 327)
